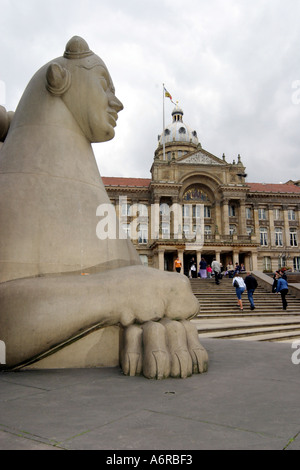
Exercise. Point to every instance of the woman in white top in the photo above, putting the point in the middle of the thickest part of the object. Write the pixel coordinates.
(240, 286)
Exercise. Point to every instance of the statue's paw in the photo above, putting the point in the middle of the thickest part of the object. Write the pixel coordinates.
(197, 351)
(168, 348)
(132, 351)
(181, 361)
(156, 357)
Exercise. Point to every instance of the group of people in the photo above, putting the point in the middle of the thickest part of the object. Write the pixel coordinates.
(241, 284)
(231, 270)
(205, 270)
(280, 286)
(249, 283)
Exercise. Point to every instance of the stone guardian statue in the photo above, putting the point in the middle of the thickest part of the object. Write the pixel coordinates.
(50, 189)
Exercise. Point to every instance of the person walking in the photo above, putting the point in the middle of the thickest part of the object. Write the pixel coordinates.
(251, 285)
(275, 280)
(177, 264)
(240, 286)
(282, 288)
(237, 269)
(193, 269)
(216, 267)
(209, 271)
(202, 268)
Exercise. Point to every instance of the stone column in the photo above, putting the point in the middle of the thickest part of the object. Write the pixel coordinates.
(254, 261)
(181, 257)
(286, 241)
(256, 224)
(218, 221)
(242, 221)
(176, 218)
(235, 257)
(271, 226)
(155, 219)
(198, 259)
(225, 226)
(161, 260)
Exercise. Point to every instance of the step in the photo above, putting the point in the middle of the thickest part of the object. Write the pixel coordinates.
(221, 318)
(261, 333)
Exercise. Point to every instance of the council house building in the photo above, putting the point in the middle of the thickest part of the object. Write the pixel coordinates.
(198, 205)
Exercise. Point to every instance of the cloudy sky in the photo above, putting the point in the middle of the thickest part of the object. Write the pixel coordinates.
(233, 66)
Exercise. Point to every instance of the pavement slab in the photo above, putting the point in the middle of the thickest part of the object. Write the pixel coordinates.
(248, 400)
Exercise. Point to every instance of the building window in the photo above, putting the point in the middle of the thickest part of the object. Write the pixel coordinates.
(296, 263)
(207, 230)
(293, 237)
(196, 230)
(262, 214)
(231, 211)
(278, 236)
(126, 229)
(232, 229)
(281, 261)
(165, 230)
(143, 233)
(207, 212)
(125, 209)
(263, 236)
(164, 209)
(250, 230)
(143, 210)
(186, 210)
(248, 213)
(267, 264)
(291, 214)
(197, 211)
(144, 260)
(186, 230)
(277, 214)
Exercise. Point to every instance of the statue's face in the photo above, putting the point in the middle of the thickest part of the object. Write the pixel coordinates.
(92, 101)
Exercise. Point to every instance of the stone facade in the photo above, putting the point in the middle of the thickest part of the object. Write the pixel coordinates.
(198, 205)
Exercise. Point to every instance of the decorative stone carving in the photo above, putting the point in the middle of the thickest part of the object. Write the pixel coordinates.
(200, 158)
(58, 279)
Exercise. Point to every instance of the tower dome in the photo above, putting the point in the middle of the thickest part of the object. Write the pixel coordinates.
(178, 131)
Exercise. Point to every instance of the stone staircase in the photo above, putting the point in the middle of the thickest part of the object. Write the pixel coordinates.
(220, 316)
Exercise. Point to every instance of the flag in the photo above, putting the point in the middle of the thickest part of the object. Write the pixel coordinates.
(167, 94)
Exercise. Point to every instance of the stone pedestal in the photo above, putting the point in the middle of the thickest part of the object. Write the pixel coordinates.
(99, 349)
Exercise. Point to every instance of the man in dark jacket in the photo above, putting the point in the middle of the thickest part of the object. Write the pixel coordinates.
(251, 284)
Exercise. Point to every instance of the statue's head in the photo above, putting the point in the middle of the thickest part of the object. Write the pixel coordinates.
(81, 79)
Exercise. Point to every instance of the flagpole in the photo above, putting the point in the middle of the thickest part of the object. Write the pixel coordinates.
(163, 134)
